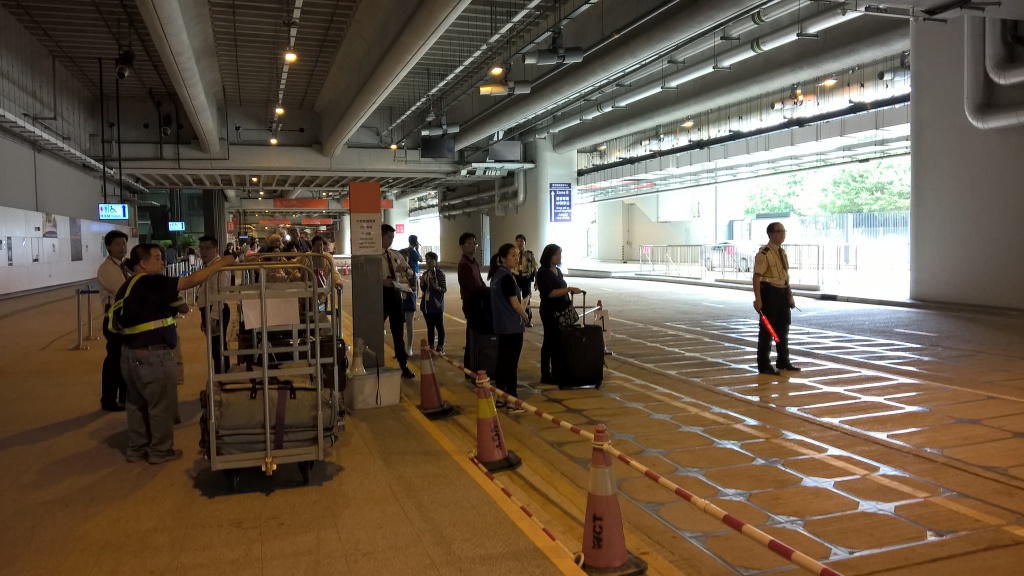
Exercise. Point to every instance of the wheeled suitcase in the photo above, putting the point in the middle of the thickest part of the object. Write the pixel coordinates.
(582, 362)
(483, 352)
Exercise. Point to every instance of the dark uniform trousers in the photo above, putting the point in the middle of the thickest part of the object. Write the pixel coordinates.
(395, 316)
(221, 364)
(775, 306)
(113, 389)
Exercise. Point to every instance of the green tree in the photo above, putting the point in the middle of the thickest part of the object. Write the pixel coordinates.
(877, 187)
(776, 195)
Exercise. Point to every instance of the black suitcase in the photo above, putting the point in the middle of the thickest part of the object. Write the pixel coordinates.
(582, 362)
(483, 352)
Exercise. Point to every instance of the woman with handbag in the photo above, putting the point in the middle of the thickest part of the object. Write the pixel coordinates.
(556, 311)
(509, 321)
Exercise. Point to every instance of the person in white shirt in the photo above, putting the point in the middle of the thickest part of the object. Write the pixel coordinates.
(396, 276)
(110, 276)
(220, 316)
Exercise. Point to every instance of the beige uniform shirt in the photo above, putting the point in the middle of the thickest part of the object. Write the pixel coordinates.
(773, 266)
(398, 270)
(110, 276)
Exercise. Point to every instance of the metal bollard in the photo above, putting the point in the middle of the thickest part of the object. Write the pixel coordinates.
(78, 300)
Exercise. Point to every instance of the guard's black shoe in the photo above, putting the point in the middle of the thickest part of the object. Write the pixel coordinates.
(548, 379)
(112, 407)
(788, 368)
(406, 373)
(769, 370)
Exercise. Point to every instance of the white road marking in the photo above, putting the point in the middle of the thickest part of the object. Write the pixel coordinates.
(914, 332)
(715, 305)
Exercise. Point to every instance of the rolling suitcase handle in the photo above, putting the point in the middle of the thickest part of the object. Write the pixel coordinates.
(572, 302)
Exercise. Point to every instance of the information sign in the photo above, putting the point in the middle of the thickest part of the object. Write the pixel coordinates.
(560, 198)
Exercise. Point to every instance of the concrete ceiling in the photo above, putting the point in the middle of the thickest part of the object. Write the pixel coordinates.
(371, 73)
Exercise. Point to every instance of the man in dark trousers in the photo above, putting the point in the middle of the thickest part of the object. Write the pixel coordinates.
(144, 313)
(110, 276)
(396, 278)
(773, 298)
(220, 316)
(474, 292)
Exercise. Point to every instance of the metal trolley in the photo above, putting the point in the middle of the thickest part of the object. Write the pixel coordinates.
(289, 310)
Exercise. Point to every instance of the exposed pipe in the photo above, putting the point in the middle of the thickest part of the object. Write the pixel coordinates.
(977, 92)
(998, 61)
(103, 129)
(704, 15)
(476, 195)
(413, 194)
(845, 48)
(726, 59)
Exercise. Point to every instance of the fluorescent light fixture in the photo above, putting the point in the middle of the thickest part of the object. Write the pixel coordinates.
(393, 146)
(688, 123)
(273, 141)
(497, 70)
(554, 56)
(254, 179)
(602, 147)
(279, 111)
(829, 82)
(501, 89)
(290, 56)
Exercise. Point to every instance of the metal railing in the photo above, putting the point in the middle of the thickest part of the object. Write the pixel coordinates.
(88, 291)
(734, 262)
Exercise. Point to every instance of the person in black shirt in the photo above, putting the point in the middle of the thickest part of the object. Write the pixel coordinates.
(144, 313)
(554, 298)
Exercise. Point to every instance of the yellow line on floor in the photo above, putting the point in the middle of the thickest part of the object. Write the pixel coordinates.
(528, 528)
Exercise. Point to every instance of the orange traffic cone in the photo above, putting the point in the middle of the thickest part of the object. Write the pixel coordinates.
(490, 443)
(604, 541)
(431, 404)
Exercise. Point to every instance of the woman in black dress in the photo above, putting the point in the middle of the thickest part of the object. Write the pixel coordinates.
(554, 298)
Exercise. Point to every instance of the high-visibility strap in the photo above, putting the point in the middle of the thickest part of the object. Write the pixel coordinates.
(150, 326)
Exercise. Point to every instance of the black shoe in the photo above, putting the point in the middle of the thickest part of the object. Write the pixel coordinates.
(788, 368)
(174, 455)
(548, 380)
(529, 324)
(112, 407)
(406, 373)
(500, 404)
(769, 370)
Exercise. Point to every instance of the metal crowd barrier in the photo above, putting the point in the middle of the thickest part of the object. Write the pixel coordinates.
(730, 262)
(88, 291)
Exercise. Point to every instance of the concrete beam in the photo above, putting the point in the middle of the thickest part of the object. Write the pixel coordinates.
(183, 35)
(430, 19)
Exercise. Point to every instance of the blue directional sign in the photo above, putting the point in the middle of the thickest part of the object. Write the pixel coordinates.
(560, 196)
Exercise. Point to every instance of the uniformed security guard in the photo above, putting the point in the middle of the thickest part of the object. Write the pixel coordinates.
(773, 298)
(144, 314)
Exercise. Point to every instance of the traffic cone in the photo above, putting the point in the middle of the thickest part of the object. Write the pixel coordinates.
(607, 352)
(490, 443)
(431, 404)
(604, 541)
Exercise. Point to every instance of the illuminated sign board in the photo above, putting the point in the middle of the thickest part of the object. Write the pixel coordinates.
(113, 211)
(175, 226)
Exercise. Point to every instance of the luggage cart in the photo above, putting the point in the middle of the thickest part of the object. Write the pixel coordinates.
(265, 411)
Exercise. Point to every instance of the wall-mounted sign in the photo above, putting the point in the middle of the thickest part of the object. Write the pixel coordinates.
(399, 228)
(175, 226)
(316, 221)
(560, 198)
(366, 218)
(275, 221)
(314, 203)
(385, 203)
(113, 211)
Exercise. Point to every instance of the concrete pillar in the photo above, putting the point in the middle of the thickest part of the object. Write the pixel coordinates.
(966, 200)
(367, 264)
(534, 216)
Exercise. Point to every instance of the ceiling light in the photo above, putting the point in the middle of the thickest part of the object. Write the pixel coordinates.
(261, 192)
(290, 56)
(501, 89)
(393, 146)
(273, 141)
(688, 124)
(279, 111)
(497, 70)
(551, 56)
(829, 82)
(255, 179)
(602, 147)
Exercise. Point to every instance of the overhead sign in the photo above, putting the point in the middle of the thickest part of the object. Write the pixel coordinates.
(316, 221)
(385, 203)
(560, 198)
(275, 221)
(175, 226)
(400, 228)
(314, 203)
(113, 211)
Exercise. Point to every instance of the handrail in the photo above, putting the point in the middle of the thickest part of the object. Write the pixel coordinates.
(88, 291)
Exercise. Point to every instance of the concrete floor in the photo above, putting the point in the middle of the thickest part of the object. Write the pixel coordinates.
(896, 451)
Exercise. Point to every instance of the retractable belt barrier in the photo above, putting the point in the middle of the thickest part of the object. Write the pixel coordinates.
(88, 291)
(600, 442)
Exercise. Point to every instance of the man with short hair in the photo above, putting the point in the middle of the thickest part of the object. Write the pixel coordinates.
(110, 276)
(396, 274)
(220, 316)
(474, 291)
(774, 299)
(144, 313)
(525, 275)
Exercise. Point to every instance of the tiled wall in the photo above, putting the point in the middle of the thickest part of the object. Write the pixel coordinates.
(33, 257)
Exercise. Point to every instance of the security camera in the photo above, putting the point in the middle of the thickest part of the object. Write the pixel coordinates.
(165, 131)
(123, 65)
